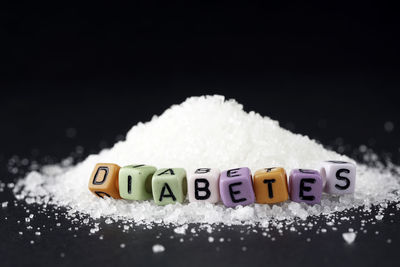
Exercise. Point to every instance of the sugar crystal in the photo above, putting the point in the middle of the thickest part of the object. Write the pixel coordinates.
(157, 248)
(349, 237)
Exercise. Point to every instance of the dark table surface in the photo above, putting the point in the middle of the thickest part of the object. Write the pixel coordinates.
(330, 72)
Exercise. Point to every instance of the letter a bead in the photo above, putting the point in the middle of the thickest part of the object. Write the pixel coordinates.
(104, 180)
(236, 187)
(169, 186)
(305, 186)
(339, 177)
(203, 185)
(135, 182)
(270, 185)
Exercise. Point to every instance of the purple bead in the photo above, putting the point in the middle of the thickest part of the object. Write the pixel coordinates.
(305, 186)
(236, 187)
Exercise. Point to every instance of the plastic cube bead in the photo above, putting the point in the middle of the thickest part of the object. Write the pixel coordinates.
(104, 180)
(169, 186)
(339, 177)
(270, 185)
(305, 186)
(135, 182)
(236, 187)
(203, 185)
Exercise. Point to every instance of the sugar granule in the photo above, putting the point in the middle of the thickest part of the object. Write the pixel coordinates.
(157, 248)
(205, 131)
(349, 237)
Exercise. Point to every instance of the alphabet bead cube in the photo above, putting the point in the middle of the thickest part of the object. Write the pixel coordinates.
(203, 185)
(236, 187)
(169, 186)
(339, 177)
(305, 186)
(135, 182)
(104, 180)
(270, 185)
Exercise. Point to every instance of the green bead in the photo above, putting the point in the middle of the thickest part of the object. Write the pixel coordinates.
(169, 186)
(135, 182)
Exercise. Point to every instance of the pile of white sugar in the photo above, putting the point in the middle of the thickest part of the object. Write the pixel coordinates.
(206, 131)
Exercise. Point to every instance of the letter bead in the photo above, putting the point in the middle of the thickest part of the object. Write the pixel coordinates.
(203, 185)
(305, 186)
(236, 187)
(270, 185)
(104, 180)
(169, 186)
(135, 182)
(339, 177)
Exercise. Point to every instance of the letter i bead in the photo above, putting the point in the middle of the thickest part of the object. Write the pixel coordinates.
(135, 182)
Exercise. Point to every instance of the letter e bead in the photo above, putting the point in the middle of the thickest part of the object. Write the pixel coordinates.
(236, 187)
(305, 186)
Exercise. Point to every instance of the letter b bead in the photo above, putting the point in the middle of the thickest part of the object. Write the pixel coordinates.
(339, 177)
(135, 182)
(236, 187)
(203, 185)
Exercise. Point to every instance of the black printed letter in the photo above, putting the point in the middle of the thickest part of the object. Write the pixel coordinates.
(269, 182)
(204, 189)
(342, 178)
(232, 172)
(304, 188)
(170, 194)
(233, 193)
(169, 171)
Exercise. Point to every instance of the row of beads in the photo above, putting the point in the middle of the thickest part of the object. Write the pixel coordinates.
(233, 187)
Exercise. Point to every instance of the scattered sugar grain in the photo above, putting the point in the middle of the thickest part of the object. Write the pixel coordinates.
(181, 230)
(349, 237)
(158, 248)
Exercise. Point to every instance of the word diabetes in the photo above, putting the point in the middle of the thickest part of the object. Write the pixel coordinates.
(233, 187)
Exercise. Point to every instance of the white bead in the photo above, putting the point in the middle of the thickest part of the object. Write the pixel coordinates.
(203, 185)
(339, 177)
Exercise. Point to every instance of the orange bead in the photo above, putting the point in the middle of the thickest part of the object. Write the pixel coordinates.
(270, 185)
(104, 180)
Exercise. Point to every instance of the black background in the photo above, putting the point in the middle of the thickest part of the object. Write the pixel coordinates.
(328, 71)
